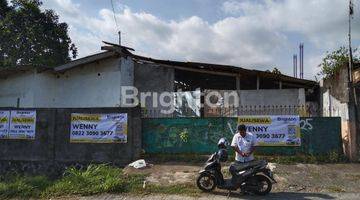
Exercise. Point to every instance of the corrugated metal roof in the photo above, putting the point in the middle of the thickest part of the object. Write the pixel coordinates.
(85, 60)
(228, 69)
(117, 50)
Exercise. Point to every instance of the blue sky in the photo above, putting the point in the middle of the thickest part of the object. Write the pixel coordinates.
(256, 34)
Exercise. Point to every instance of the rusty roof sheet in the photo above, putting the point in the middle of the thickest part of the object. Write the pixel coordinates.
(229, 69)
(117, 50)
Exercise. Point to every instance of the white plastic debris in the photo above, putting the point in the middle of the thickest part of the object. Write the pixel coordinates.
(272, 166)
(138, 164)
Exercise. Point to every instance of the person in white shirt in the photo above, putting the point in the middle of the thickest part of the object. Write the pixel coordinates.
(243, 144)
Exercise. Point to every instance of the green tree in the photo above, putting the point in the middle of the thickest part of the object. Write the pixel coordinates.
(333, 61)
(30, 36)
(274, 71)
(4, 8)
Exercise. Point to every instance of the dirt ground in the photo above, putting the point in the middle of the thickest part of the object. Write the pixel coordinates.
(308, 178)
(222, 196)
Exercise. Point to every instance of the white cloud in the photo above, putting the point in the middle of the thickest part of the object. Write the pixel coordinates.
(66, 7)
(236, 41)
(232, 7)
(254, 34)
(323, 22)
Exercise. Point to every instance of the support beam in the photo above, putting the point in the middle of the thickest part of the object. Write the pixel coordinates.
(238, 82)
(197, 70)
(280, 85)
(257, 82)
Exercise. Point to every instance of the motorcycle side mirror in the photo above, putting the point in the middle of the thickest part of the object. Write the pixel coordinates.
(223, 143)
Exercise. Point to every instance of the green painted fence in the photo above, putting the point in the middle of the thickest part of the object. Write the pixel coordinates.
(319, 135)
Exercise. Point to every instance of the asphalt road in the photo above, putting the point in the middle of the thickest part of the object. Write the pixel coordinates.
(223, 196)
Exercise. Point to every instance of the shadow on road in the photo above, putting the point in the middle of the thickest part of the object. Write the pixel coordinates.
(278, 195)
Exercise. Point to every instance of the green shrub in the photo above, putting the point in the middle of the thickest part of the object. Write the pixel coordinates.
(95, 179)
(24, 187)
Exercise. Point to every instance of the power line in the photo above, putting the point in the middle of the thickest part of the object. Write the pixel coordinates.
(113, 9)
(116, 23)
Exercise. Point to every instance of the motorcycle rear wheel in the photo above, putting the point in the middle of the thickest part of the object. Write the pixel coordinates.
(264, 185)
(206, 182)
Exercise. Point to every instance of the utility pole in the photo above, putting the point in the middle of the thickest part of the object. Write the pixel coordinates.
(352, 94)
(119, 37)
(351, 12)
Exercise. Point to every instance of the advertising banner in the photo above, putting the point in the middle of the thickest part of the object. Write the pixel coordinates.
(4, 124)
(22, 124)
(98, 128)
(276, 130)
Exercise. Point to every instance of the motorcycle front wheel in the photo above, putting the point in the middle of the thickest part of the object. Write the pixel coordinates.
(206, 182)
(262, 183)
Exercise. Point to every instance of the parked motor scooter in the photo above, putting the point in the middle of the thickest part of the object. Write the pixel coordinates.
(253, 177)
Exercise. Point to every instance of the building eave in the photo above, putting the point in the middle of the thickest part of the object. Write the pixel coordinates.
(85, 60)
(228, 70)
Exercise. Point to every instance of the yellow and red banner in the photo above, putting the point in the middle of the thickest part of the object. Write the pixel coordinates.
(274, 130)
(4, 123)
(22, 124)
(98, 128)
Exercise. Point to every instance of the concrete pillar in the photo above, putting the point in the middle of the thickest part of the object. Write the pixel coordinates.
(127, 71)
(257, 82)
(301, 97)
(238, 82)
(126, 65)
(280, 85)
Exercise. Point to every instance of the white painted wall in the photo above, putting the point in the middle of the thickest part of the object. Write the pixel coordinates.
(288, 97)
(17, 86)
(92, 85)
(98, 85)
(332, 107)
(44, 90)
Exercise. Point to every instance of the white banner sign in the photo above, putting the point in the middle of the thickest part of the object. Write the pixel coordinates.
(281, 130)
(4, 124)
(98, 128)
(22, 124)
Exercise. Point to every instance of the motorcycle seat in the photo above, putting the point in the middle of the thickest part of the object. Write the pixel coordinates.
(237, 166)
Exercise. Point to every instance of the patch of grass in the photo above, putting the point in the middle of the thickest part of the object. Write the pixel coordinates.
(23, 186)
(334, 188)
(94, 180)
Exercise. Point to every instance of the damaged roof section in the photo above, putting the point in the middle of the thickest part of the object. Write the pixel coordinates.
(85, 60)
(226, 70)
(115, 50)
(215, 69)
